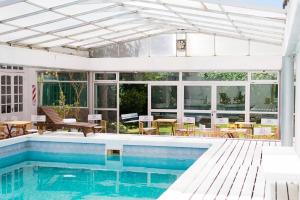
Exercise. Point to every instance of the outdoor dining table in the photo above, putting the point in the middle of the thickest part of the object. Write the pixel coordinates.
(245, 125)
(171, 122)
(15, 124)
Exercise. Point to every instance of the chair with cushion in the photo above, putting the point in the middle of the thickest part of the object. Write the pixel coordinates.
(101, 126)
(143, 119)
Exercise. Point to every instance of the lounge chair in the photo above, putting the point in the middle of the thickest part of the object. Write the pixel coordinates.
(54, 122)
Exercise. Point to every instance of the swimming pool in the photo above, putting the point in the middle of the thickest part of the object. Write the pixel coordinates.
(34, 170)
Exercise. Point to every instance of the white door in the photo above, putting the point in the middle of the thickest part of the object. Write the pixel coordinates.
(11, 96)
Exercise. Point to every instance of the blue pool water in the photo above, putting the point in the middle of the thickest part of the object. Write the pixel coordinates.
(33, 175)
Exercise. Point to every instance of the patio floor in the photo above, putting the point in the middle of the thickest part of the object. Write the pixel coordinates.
(233, 172)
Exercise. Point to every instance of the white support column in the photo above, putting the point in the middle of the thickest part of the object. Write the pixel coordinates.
(287, 101)
(297, 104)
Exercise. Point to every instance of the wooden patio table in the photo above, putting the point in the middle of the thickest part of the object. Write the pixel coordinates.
(246, 125)
(15, 124)
(172, 122)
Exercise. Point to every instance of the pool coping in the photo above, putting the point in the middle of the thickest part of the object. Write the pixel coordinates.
(116, 141)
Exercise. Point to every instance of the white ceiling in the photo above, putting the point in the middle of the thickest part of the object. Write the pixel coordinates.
(88, 24)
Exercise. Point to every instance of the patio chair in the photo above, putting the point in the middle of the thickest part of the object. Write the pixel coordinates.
(187, 127)
(147, 130)
(54, 122)
(101, 126)
(38, 120)
(2, 131)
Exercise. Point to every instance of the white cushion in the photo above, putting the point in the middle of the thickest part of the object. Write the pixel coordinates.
(69, 120)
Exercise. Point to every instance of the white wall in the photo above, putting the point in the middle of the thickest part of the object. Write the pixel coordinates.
(30, 78)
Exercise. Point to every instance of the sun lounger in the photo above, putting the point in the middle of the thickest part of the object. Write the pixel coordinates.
(54, 122)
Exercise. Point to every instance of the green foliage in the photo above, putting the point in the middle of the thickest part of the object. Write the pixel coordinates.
(215, 76)
(264, 76)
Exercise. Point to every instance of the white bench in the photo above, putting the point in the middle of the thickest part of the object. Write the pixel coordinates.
(280, 164)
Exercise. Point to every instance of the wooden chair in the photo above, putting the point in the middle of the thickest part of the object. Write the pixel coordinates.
(147, 130)
(220, 127)
(37, 120)
(2, 131)
(187, 127)
(101, 126)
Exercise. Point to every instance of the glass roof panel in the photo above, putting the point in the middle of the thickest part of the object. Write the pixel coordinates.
(5, 28)
(156, 12)
(104, 43)
(77, 30)
(247, 11)
(200, 12)
(16, 10)
(85, 42)
(16, 35)
(56, 43)
(212, 6)
(146, 5)
(91, 34)
(50, 3)
(186, 3)
(203, 18)
(114, 21)
(257, 21)
(36, 19)
(126, 26)
(58, 25)
(39, 39)
(81, 8)
(135, 36)
(98, 15)
(115, 35)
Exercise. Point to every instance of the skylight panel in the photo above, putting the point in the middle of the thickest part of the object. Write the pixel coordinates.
(200, 25)
(185, 3)
(17, 35)
(115, 35)
(212, 6)
(265, 39)
(85, 42)
(255, 12)
(91, 34)
(259, 28)
(130, 37)
(126, 26)
(156, 12)
(77, 30)
(259, 22)
(114, 21)
(36, 19)
(81, 8)
(16, 10)
(39, 39)
(5, 28)
(200, 12)
(156, 31)
(58, 25)
(104, 43)
(55, 43)
(145, 5)
(207, 19)
(50, 3)
(98, 15)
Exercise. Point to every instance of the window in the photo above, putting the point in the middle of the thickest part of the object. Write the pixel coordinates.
(231, 98)
(18, 93)
(164, 97)
(106, 96)
(214, 76)
(105, 76)
(197, 97)
(150, 76)
(6, 94)
(264, 76)
(264, 97)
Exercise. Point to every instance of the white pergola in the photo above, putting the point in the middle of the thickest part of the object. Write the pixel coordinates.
(86, 24)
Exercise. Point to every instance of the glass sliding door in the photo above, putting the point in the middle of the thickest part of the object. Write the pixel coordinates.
(198, 104)
(230, 102)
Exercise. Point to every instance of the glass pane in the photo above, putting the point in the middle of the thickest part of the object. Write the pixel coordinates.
(264, 98)
(231, 98)
(257, 117)
(164, 97)
(201, 118)
(167, 49)
(111, 117)
(20, 98)
(214, 76)
(72, 93)
(16, 108)
(3, 99)
(16, 80)
(20, 107)
(264, 76)
(232, 117)
(106, 96)
(150, 76)
(64, 76)
(197, 97)
(105, 76)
